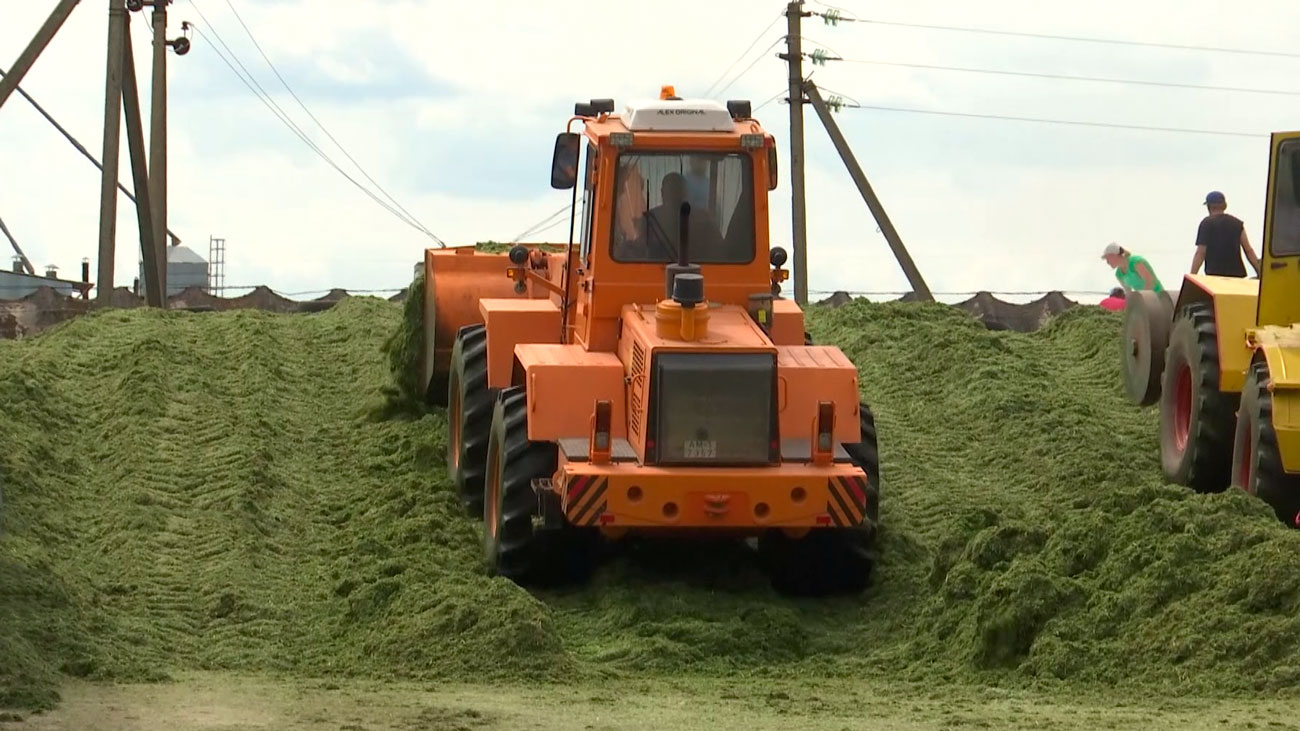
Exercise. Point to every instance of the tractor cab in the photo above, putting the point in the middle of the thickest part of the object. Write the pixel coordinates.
(670, 181)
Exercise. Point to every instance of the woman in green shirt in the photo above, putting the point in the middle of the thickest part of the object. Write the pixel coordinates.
(1132, 271)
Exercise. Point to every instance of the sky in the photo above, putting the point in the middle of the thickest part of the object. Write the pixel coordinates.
(453, 110)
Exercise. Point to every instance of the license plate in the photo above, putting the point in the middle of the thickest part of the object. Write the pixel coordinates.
(700, 449)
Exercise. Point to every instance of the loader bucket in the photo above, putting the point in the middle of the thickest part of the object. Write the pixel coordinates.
(455, 279)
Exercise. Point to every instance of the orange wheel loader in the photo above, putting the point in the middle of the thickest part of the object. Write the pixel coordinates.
(647, 378)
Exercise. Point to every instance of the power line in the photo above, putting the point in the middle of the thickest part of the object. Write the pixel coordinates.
(276, 71)
(260, 93)
(838, 16)
(76, 144)
(770, 99)
(742, 55)
(1039, 120)
(550, 221)
(540, 231)
(751, 65)
(1067, 77)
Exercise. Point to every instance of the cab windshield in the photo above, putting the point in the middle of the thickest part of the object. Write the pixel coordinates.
(1286, 204)
(651, 186)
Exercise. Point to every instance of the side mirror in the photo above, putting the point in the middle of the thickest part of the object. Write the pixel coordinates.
(771, 168)
(564, 163)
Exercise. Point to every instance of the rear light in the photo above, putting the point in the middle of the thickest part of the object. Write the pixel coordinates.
(823, 444)
(825, 424)
(600, 439)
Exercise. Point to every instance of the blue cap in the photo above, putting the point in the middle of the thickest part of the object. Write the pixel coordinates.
(1214, 197)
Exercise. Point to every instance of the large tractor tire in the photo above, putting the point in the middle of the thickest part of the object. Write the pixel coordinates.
(1147, 317)
(829, 561)
(1256, 460)
(513, 546)
(866, 456)
(469, 416)
(1196, 418)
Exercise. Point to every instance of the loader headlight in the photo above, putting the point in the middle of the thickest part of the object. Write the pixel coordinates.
(714, 408)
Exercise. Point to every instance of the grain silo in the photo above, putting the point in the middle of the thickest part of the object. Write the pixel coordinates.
(185, 269)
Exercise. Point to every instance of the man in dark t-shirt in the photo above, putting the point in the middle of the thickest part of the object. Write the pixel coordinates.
(1220, 240)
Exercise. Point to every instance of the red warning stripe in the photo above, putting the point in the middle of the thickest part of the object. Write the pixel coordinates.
(858, 487)
(580, 512)
(853, 511)
(577, 486)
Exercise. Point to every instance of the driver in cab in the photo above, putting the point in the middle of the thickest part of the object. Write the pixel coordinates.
(654, 235)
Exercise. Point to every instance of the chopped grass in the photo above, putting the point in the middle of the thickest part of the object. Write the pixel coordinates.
(213, 491)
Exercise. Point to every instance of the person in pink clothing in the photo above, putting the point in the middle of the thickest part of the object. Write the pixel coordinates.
(1115, 302)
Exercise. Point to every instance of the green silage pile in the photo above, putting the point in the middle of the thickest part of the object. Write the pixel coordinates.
(1027, 512)
(230, 491)
(403, 347)
(210, 491)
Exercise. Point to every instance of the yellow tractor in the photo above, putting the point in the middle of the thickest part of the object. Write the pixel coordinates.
(1228, 380)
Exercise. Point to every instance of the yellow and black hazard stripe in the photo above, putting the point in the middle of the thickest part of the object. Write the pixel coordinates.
(586, 499)
(848, 500)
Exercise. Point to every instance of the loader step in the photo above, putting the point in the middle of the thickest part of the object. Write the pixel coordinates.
(800, 450)
(577, 450)
(792, 450)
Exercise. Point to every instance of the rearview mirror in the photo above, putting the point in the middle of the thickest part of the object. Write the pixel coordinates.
(564, 164)
(771, 168)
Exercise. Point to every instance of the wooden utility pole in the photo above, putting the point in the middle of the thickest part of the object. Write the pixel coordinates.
(117, 41)
(158, 141)
(150, 200)
(794, 14)
(34, 49)
(155, 295)
(860, 179)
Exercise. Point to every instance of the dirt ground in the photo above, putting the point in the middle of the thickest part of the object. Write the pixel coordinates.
(213, 702)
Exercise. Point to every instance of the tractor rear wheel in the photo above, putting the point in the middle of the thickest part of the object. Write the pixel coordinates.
(866, 457)
(1196, 418)
(831, 560)
(823, 562)
(469, 416)
(513, 546)
(1147, 317)
(1256, 461)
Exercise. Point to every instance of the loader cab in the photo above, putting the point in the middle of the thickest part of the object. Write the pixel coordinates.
(632, 173)
(1279, 287)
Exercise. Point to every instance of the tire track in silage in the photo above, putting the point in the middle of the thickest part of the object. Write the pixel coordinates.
(139, 416)
(247, 550)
